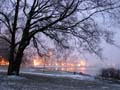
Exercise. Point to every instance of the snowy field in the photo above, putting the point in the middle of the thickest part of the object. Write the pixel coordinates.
(53, 81)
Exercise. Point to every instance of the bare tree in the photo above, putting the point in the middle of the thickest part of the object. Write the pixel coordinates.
(64, 21)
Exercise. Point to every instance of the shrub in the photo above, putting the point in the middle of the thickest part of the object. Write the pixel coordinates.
(110, 73)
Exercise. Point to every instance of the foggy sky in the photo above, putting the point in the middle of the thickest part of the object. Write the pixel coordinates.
(110, 52)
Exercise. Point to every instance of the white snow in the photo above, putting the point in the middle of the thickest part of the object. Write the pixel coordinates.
(64, 75)
(3, 70)
(14, 77)
(104, 87)
(79, 77)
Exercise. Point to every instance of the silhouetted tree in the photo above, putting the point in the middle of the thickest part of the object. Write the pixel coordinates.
(64, 21)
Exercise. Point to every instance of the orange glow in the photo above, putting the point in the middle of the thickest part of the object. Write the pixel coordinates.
(62, 65)
(36, 62)
(62, 69)
(82, 63)
(3, 62)
(56, 64)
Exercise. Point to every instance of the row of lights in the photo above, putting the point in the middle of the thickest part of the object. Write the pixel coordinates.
(38, 62)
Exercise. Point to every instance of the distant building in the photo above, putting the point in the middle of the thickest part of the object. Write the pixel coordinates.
(4, 49)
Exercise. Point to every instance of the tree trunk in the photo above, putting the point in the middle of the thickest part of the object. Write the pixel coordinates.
(18, 62)
(14, 63)
(11, 61)
(14, 66)
(10, 69)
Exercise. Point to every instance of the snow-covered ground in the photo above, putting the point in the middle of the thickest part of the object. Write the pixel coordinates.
(65, 75)
(33, 71)
(30, 80)
(60, 74)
